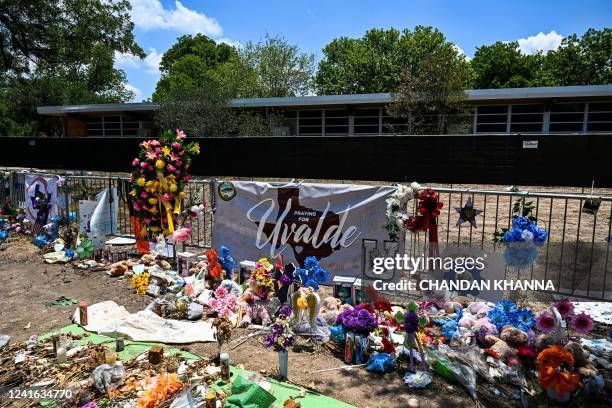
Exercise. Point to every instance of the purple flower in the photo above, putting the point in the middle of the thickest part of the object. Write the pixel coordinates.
(358, 320)
(582, 323)
(285, 280)
(545, 322)
(565, 308)
(285, 311)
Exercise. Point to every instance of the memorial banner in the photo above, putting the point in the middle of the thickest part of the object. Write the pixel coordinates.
(328, 221)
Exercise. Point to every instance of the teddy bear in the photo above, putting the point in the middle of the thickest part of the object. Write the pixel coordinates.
(499, 348)
(330, 307)
(147, 260)
(514, 337)
(119, 268)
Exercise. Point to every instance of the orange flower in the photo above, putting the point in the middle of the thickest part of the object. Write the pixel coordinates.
(158, 389)
(551, 376)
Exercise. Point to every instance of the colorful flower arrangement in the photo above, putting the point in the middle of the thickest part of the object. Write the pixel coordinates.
(281, 337)
(224, 303)
(158, 181)
(581, 323)
(261, 280)
(552, 376)
(506, 313)
(358, 320)
(311, 275)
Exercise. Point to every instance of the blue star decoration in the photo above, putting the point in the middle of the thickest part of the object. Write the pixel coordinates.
(468, 213)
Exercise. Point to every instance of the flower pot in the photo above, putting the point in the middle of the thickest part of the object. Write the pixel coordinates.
(283, 364)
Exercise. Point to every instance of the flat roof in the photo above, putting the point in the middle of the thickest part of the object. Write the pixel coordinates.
(475, 95)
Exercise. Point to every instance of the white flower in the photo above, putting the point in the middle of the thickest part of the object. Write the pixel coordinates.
(415, 186)
(527, 235)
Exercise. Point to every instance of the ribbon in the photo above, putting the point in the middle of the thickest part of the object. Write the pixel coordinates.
(429, 207)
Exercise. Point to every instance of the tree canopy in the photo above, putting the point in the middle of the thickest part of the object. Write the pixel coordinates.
(374, 63)
(57, 53)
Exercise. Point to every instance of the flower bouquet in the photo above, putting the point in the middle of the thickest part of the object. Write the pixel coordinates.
(158, 181)
(358, 323)
(523, 240)
(261, 281)
(396, 209)
(281, 338)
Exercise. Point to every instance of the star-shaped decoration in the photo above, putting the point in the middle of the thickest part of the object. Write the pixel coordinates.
(468, 213)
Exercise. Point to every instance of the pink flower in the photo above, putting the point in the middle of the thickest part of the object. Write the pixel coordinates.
(158, 150)
(582, 323)
(565, 308)
(146, 220)
(179, 162)
(150, 167)
(171, 168)
(155, 143)
(136, 206)
(186, 167)
(135, 162)
(144, 194)
(180, 134)
(151, 155)
(143, 165)
(167, 196)
(176, 145)
(545, 322)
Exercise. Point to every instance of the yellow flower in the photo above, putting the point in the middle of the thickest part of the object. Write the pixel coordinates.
(149, 184)
(173, 187)
(166, 150)
(182, 194)
(141, 181)
(195, 149)
(160, 164)
(302, 303)
(153, 210)
(133, 193)
(154, 228)
(152, 200)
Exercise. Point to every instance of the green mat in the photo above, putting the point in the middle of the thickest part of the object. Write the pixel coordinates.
(280, 390)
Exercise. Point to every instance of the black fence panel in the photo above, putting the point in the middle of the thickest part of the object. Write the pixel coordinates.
(558, 159)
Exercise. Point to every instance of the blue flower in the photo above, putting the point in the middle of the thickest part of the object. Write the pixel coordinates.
(524, 319)
(302, 274)
(40, 241)
(520, 223)
(449, 329)
(311, 283)
(69, 253)
(310, 263)
(540, 236)
(321, 275)
(498, 318)
(507, 306)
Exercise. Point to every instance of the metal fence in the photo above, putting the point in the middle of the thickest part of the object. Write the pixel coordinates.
(576, 256)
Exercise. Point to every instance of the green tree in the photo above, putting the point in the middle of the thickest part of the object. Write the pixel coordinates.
(61, 31)
(198, 59)
(579, 61)
(281, 69)
(502, 65)
(203, 111)
(60, 52)
(431, 98)
(374, 63)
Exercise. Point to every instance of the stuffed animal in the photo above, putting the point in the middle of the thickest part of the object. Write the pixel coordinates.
(513, 336)
(482, 328)
(499, 349)
(147, 260)
(478, 309)
(119, 268)
(330, 307)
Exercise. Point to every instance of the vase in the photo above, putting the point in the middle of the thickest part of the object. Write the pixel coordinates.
(283, 364)
(349, 348)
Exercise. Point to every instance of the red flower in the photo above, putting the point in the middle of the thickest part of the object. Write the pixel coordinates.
(383, 305)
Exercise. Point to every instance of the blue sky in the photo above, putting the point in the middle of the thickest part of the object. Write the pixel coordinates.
(312, 24)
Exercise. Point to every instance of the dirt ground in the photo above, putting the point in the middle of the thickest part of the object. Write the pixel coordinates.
(28, 284)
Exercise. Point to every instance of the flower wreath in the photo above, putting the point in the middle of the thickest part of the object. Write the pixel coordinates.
(158, 181)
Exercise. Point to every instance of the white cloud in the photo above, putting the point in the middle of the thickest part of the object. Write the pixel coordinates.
(461, 52)
(151, 14)
(152, 61)
(540, 42)
(235, 44)
(126, 60)
(137, 94)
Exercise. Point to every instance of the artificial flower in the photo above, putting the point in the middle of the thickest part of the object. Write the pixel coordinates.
(565, 308)
(582, 323)
(160, 164)
(545, 322)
